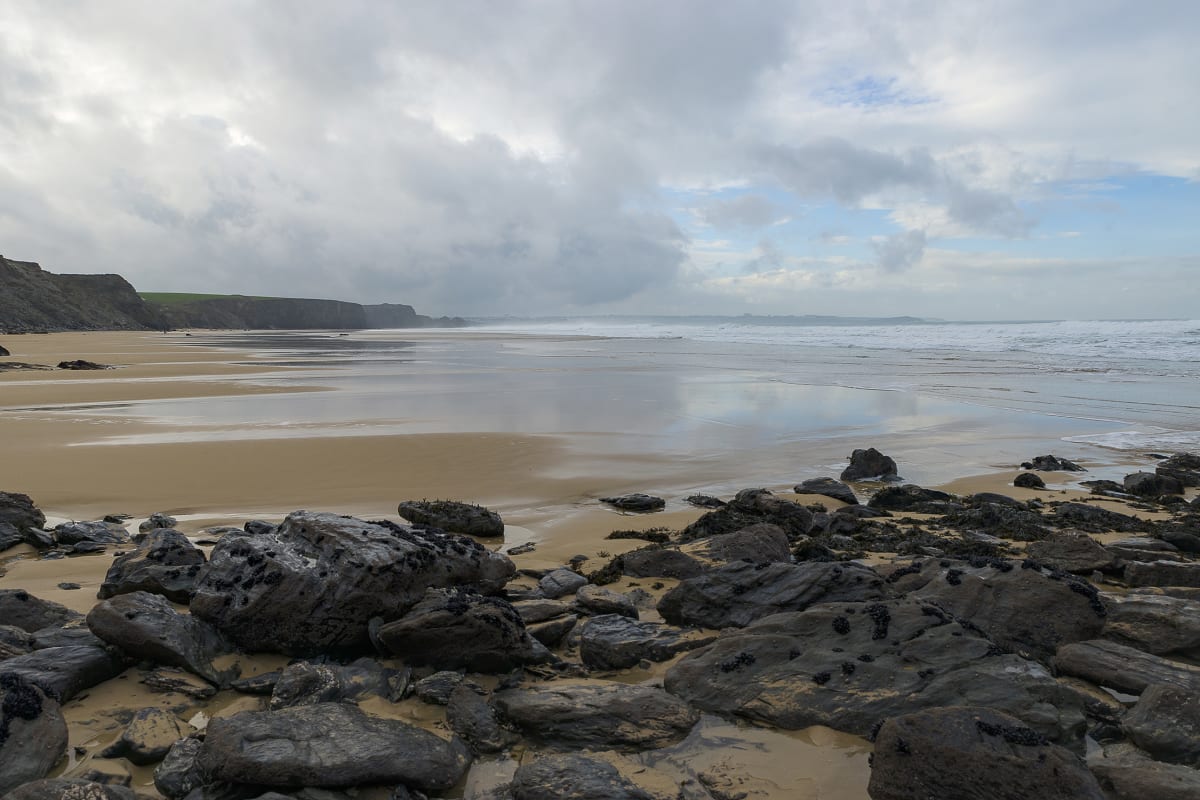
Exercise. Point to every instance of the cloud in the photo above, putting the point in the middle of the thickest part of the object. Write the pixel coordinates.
(901, 251)
(743, 211)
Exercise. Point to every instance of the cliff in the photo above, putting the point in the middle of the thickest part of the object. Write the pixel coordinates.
(395, 315)
(32, 299)
(266, 313)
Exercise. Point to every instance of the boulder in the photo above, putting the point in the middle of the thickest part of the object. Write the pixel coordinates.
(1123, 668)
(614, 642)
(70, 789)
(1150, 484)
(157, 520)
(22, 610)
(33, 733)
(739, 593)
(103, 533)
(82, 364)
(1183, 467)
(148, 737)
(655, 562)
(750, 507)
(1071, 551)
(163, 562)
(438, 687)
(552, 632)
(1162, 573)
(910, 498)
(1094, 519)
(15, 642)
(641, 503)
(1166, 724)
(314, 583)
(19, 511)
(973, 754)
(473, 718)
(571, 776)
(147, 627)
(869, 463)
(329, 745)
(4, 352)
(178, 774)
(597, 600)
(541, 609)
(10, 536)
(1161, 625)
(306, 683)
(758, 544)
(457, 629)
(1183, 541)
(827, 487)
(849, 665)
(1130, 774)
(63, 672)
(616, 715)
(1028, 480)
(452, 516)
(1052, 464)
(173, 679)
(76, 633)
(1009, 606)
(561, 582)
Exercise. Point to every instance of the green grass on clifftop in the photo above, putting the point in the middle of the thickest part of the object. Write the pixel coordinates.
(178, 298)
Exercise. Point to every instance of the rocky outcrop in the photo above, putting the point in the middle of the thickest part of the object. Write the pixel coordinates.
(164, 562)
(397, 315)
(1123, 668)
(265, 313)
(613, 642)
(33, 733)
(34, 300)
(453, 517)
(1166, 724)
(869, 463)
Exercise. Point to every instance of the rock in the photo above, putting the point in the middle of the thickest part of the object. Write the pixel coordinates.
(74, 634)
(758, 544)
(1010, 606)
(70, 789)
(1001, 520)
(472, 717)
(1052, 464)
(314, 584)
(1095, 519)
(1183, 541)
(597, 600)
(1182, 467)
(1123, 668)
(457, 629)
(1155, 624)
(1166, 724)
(146, 626)
(328, 745)
(9, 536)
(19, 511)
(541, 610)
(521, 549)
(704, 501)
(655, 562)
(995, 498)
(597, 715)
(81, 364)
(869, 463)
(1028, 480)
(453, 517)
(1149, 484)
(1163, 573)
(164, 562)
(1072, 551)
(172, 679)
(1132, 775)
(613, 642)
(15, 642)
(560, 582)
(4, 352)
(157, 520)
(849, 665)
(637, 502)
(438, 687)
(552, 632)
(178, 773)
(104, 533)
(910, 498)
(148, 737)
(306, 683)
(256, 527)
(63, 672)
(33, 733)
(750, 507)
(973, 754)
(828, 487)
(577, 777)
(739, 593)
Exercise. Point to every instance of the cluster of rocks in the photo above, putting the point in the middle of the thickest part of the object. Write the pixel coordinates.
(976, 656)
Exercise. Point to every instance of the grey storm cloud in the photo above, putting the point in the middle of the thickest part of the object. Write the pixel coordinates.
(743, 211)
(901, 251)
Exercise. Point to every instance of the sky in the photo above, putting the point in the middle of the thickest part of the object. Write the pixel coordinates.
(985, 159)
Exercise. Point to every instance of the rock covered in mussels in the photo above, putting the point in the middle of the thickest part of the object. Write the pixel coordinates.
(313, 584)
(453, 516)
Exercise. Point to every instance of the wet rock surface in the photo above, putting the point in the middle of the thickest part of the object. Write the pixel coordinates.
(751, 507)
(33, 733)
(1123, 668)
(576, 777)
(869, 463)
(828, 487)
(163, 562)
(70, 789)
(641, 503)
(29, 613)
(453, 517)
(1155, 624)
(1130, 774)
(63, 672)
(1166, 724)
(615, 642)
(148, 737)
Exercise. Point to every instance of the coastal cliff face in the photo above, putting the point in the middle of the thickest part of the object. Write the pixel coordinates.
(396, 315)
(266, 313)
(32, 299)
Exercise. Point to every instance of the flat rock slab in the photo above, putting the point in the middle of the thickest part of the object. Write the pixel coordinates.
(1123, 668)
(33, 733)
(973, 754)
(828, 487)
(1166, 724)
(63, 672)
(578, 777)
(758, 544)
(1130, 774)
(22, 610)
(612, 641)
(1073, 551)
(641, 503)
(148, 737)
(561, 582)
(597, 715)
(1162, 573)
(70, 789)
(599, 601)
(329, 745)
(1161, 625)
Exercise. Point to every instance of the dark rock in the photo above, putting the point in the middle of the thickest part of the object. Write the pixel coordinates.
(263, 684)
(457, 629)
(597, 600)
(704, 501)
(828, 487)
(659, 563)
(861, 512)
(1095, 519)
(313, 584)
(164, 562)
(973, 754)
(750, 507)
(438, 687)
(1183, 541)
(849, 665)
(1052, 464)
(1183, 467)
(614, 642)
(147, 626)
(157, 520)
(1149, 484)
(1162, 573)
(81, 548)
(541, 610)
(33, 733)
(760, 544)
(452, 516)
(15, 642)
(1009, 605)
(1166, 724)
(1130, 774)
(576, 777)
(81, 364)
(521, 549)
(561, 582)
(69, 586)
(1001, 520)
(1154, 624)
(98, 532)
(148, 737)
(178, 773)
(1028, 480)
(4, 352)
(172, 679)
(306, 683)
(256, 527)
(19, 511)
(552, 632)
(641, 503)
(9, 536)
(910, 498)
(328, 745)
(869, 463)
(70, 789)
(739, 593)
(1123, 668)
(1072, 551)
(597, 715)
(73, 635)
(63, 672)
(472, 717)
